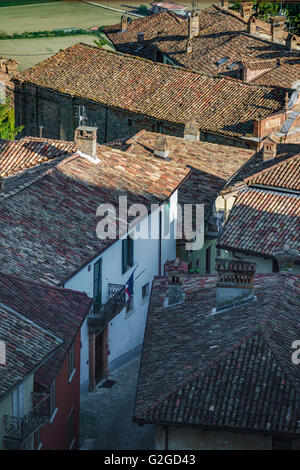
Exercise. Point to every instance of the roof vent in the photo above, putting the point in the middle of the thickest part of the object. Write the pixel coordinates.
(246, 10)
(161, 148)
(175, 270)
(189, 47)
(235, 281)
(222, 61)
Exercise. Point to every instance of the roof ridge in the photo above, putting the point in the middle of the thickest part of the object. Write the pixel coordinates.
(277, 164)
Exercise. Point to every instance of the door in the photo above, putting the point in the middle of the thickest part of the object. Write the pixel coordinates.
(97, 294)
(18, 401)
(99, 369)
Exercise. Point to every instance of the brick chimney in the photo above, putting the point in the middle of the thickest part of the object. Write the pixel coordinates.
(175, 271)
(189, 47)
(224, 3)
(193, 25)
(161, 148)
(291, 42)
(124, 23)
(269, 149)
(234, 282)
(286, 258)
(277, 28)
(191, 131)
(251, 27)
(86, 140)
(246, 10)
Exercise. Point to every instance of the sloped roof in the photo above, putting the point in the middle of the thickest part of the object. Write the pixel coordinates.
(59, 311)
(48, 229)
(261, 222)
(230, 371)
(27, 346)
(160, 91)
(285, 175)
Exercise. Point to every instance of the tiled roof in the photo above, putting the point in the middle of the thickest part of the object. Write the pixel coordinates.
(230, 371)
(287, 74)
(59, 311)
(48, 227)
(27, 346)
(19, 155)
(222, 34)
(285, 175)
(212, 165)
(163, 92)
(261, 222)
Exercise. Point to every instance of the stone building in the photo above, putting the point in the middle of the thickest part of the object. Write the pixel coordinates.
(217, 369)
(122, 94)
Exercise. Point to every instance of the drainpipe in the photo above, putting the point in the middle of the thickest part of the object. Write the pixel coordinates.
(105, 126)
(159, 252)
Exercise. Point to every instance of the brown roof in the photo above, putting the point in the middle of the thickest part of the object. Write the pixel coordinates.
(230, 371)
(287, 74)
(27, 346)
(45, 244)
(163, 92)
(261, 222)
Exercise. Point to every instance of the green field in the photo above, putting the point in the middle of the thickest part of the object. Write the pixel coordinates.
(48, 16)
(12, 3)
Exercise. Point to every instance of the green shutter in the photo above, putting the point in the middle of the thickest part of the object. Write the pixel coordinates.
(124, 255)
(97, 284)
(130, 251)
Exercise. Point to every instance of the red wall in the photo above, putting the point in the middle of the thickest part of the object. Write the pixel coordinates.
(54, 436)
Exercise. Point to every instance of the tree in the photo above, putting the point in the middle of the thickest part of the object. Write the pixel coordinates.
(8, 129)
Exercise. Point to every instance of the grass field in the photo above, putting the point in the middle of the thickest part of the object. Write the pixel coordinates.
(48, 16)
(11, 3)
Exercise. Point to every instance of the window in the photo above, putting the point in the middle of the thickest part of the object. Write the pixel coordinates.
(129, 122)
(127, 254)
(52, 398)
(275, 266)
(71, 359)
(97, 292)
(71, 431)
(208, 260)
(166, 219)
(145, 290)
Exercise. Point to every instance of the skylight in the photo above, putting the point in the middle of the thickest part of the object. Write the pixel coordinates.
(231, 66)
(222, 61)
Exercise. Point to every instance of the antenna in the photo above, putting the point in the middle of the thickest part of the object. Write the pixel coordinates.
(81, 115)
(41, 131)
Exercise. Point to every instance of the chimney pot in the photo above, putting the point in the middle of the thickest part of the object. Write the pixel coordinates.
(189, 47)
(286, 258)
(193, 25)
(191, 131)
(86, 140)
(246, 8)
(161, 149)
(235, 281)
(175, 270)
(269, 149)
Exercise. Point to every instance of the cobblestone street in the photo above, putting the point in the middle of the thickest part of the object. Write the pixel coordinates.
(106, 415)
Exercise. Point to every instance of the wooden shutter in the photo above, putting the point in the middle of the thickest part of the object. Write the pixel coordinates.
(124, 255)
(97, 294)
(130, 252)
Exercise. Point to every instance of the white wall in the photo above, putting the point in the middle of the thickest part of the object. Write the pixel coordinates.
(126, 331)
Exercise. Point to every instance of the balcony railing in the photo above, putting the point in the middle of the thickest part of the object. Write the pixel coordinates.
(18, 430)
(100, 314)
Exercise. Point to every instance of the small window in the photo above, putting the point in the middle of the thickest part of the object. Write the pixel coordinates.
(145, 290)
(52, 398)
(129, 122)
(127, 254)
(71, 359)
(71, 430)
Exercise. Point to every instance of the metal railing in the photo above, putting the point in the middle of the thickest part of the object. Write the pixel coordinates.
(100, 314)
(17, 430)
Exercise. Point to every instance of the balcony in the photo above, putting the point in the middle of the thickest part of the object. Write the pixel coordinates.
(18, 430)
(100, 314)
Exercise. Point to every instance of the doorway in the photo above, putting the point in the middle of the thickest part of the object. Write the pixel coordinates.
(99, 357)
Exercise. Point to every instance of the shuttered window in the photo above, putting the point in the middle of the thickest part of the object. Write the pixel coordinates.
(127, 254)
(97, 293)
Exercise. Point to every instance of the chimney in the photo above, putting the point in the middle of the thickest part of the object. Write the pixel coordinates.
(246, 10)
(161, 148)
(191, 131)
(189, 47)
(175, 271)
(251, 27)
(11, 66)
(269, 149)
(224, 3)
(141, 37)
(286, 258)
(291, 42)
(124, 23)
(277, 28)
(86, 140)
(193, 25)
(234, 282)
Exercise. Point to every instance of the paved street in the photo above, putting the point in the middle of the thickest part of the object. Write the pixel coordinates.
(106, 415)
